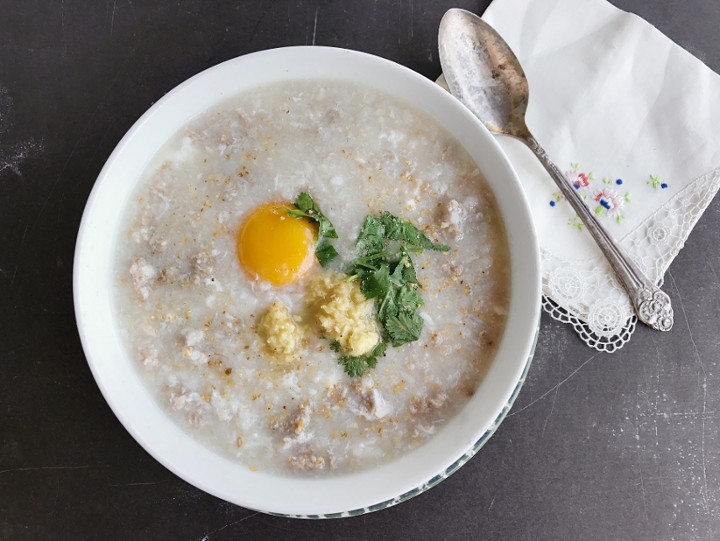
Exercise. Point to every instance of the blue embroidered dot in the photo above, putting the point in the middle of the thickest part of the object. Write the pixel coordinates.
(552, 203)
(618, 181)
(576, 186)
(663, 185)
(605, 204)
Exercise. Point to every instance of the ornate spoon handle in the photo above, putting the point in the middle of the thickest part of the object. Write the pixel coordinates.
(652, 305)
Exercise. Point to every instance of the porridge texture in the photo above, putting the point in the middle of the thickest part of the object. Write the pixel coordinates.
(245, 365)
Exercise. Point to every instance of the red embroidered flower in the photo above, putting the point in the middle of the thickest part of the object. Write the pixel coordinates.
(582, 180)
(577, 179)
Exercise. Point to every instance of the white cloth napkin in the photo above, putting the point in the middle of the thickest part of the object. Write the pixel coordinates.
(633, 119)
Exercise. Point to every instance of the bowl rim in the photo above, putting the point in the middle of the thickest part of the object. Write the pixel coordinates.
(89, 299)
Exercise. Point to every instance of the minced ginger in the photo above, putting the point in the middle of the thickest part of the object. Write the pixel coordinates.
(282, 335)
(337, 307)
(343, 313)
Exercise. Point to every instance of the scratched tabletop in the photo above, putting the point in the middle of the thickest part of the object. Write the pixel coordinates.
(622, 446)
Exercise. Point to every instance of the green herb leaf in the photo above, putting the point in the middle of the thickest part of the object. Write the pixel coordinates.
(404, 271)
(386, 274)
(404, 328)
(353, 366)
(409, 298)
(304, 202)
(307, 209)
(325, 252)
(387, 308)
(357, 366)
(403, 231)
(376, 284)
(372, 236)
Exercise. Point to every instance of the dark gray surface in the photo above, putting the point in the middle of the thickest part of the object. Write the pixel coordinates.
(622, 446)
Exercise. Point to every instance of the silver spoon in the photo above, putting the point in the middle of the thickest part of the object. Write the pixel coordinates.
(484, 74)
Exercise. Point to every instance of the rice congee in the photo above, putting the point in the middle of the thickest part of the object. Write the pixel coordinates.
(248, 361)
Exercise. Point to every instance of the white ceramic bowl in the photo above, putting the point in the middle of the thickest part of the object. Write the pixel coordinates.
(137, 409)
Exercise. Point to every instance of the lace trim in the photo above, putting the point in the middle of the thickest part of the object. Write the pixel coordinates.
(607, 344)
(586, 294)
(659, 239)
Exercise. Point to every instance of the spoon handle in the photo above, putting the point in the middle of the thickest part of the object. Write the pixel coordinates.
(652, 305)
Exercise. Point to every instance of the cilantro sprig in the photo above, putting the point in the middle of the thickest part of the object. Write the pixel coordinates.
(357, 366)
(307, 209)
(387, 275)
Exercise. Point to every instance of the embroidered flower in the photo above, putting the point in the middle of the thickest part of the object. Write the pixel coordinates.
(576, 222)
(609, 201)
(577, 178)
(601, 195)
(656, 183)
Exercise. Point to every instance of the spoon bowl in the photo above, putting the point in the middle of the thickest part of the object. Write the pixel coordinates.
(484, 74)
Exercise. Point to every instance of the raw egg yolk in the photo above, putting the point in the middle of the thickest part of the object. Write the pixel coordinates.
(274, 246)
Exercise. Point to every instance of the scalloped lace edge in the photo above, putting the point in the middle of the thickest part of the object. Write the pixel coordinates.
(706, 186)
(607, 344)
